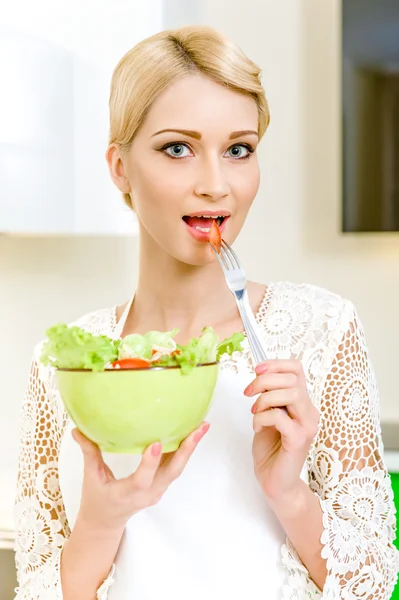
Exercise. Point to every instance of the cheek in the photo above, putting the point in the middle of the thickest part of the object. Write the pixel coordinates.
(156, 185)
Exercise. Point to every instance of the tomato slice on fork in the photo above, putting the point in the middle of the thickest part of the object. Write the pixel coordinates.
(215, 237)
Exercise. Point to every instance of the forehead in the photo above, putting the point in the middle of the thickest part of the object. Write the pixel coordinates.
(197, 103)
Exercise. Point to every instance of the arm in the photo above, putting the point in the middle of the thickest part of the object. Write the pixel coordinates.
(94, 549)
(41, 524)
(302, 519)
(351, 483)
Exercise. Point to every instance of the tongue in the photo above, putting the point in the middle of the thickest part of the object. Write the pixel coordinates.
(198, 222)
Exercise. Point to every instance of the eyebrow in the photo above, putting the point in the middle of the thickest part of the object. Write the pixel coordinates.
(197, 136)
(237, 134)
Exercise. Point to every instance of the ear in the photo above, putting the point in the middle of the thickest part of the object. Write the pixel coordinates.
(116, 168)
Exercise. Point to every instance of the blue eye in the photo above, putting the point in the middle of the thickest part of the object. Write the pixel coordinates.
(182, 150)
(177, 150)
(240, 151)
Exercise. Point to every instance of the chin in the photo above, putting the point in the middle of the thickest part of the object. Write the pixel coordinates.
(199, 257)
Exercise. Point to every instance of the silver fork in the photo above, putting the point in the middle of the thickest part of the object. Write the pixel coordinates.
(237, 282)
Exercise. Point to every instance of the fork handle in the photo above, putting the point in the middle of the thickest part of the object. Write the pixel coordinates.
(252, 329)
(255, 340)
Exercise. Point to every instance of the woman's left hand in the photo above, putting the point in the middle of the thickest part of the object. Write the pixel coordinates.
(282, 438)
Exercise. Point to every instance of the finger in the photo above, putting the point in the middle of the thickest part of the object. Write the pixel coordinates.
(277, 398)
(291, 399)
(271, 381)
(280, 366)
(92, 456)
(177, 463)
(144, 475)
(277, 418)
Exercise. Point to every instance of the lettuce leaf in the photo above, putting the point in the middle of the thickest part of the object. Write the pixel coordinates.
(135, 346)
(161, 340)
(230, 345)
(202, 350)
(75, 348)
(142, 346)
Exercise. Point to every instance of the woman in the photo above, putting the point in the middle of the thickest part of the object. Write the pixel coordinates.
(271, 504)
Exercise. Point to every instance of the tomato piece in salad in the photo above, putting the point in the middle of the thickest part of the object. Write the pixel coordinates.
(215, 237)
(131, 363)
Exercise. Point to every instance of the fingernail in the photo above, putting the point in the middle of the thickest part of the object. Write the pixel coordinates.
(200, 434)
(253, 409)
(156, 449)
(262, 368)
(248, 390)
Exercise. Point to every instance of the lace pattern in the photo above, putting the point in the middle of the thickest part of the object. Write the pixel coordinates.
(41, 524)
(345, 462)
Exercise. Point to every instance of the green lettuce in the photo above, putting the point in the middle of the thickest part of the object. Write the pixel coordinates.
(230, 345)
(160, 339)
(75, 348)
(141, 346)
(135, 346)
(198, 351)
(202, 350)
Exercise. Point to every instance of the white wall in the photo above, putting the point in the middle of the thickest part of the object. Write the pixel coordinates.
(94, 34)
(296, 220)
(293, 232)
(50, 279)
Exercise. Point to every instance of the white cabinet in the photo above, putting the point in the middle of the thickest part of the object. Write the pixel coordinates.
(56, 65)
(53, 135)
(36, 135)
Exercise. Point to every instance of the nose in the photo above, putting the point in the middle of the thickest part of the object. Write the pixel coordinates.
(212, 183)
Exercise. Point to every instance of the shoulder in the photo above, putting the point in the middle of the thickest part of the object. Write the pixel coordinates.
(307, 310)
(310, 323)
(98, 322)
(306, 297)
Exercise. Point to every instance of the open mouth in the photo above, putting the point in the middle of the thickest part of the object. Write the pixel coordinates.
(203, 223)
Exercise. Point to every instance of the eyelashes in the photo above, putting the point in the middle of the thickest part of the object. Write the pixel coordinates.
(248, 147)
(182, 146)
(170, 145)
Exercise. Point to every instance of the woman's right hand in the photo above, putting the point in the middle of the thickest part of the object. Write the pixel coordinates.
(107, 502)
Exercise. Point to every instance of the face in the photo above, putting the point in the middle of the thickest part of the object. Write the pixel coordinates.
(194, 157)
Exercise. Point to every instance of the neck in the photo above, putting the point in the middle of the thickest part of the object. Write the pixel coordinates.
(172, 294)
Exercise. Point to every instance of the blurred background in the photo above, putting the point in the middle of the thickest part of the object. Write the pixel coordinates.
(327, 212)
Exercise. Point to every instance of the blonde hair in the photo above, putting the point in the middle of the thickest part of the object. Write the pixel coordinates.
(158, 61)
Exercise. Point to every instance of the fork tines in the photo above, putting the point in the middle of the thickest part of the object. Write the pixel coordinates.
(226, 256)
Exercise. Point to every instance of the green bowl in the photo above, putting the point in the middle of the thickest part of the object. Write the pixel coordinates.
(125, 411)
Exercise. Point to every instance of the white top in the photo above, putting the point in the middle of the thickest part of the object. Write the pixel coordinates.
(212, 535)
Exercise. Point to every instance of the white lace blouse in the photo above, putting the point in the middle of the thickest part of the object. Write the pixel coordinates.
(213, 523)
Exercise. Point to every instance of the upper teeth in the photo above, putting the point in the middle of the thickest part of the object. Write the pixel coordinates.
(210, 217)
